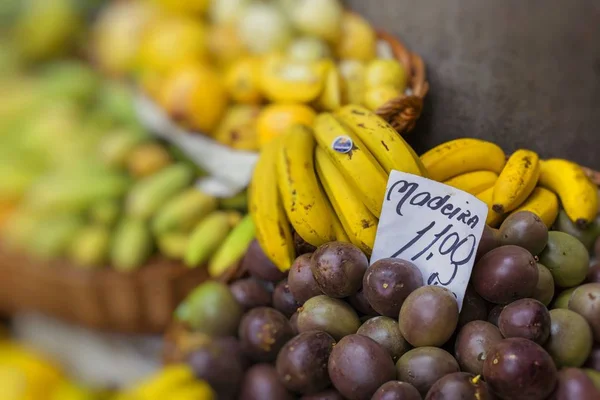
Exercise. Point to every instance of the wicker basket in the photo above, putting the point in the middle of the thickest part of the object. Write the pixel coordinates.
(137, 302)
(402, 112)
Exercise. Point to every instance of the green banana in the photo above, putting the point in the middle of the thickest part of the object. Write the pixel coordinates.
(183, 211)
(71, 193)
(91, 246)
(173, 245)
(131, 246)
(206, 238)
(52, 237)
(147, 195)
(239, 202)
(105, 212)
(233, 248)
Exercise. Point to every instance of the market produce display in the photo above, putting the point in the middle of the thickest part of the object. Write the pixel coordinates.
(243, 71)
(327, 182)
(333, 327)
(83, 182)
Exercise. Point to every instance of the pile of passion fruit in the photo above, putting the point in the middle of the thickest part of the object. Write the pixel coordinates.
(334, 327)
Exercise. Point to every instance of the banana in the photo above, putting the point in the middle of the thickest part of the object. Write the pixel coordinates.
(53, 236)
(183, 211)
(358, 166)
(516, 181)
(578, 195)
(303, 199)
(233, 248)
(206, 238)
(473, 182)
(460, 156)
(273, 230)
(493, 218)
(358, 222)
(543, 203)
(173, 245)
(105, 212)
(163, 383)
(132, 245)
(383, 141)
(146, 197)
(91, 246)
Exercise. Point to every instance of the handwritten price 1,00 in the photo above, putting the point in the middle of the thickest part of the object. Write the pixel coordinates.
(446, 243)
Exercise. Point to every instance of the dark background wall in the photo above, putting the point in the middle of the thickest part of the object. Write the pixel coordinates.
(520, 73)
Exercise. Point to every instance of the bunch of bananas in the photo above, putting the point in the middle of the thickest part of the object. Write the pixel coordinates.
(521, 182)
(243, 71)
(83, 181)
(26, 375)
(326, 182)
(173, 382)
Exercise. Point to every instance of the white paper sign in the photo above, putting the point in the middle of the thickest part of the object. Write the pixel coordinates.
(432, 225)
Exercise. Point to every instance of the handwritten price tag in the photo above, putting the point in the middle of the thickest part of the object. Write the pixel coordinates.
(435, 226)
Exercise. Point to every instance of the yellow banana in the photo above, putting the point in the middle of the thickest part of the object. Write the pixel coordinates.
(578, 195)
(338, 229)
(493, 219)
(473, 182)
(383, 141)
(516, 181)
(273, 230)
(356, 163)
(358, 222)
(460, 156)
(303, 199)
(543, 203)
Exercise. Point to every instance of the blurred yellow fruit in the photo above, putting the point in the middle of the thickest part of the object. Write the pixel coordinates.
(25, 375)
(275, 119)
(118, 33)
(287, 81)
(150, 82)
(386, 72)
(172, 41)
(358, 40)
(194, 96)
(308, 49)
(199, 390)
(185, 6)
(47, 28)
(146, 159)
(377, 96)
(242, 81)
(331, 97)
(224, 44)
(238, 128)
(353, 81)
(161, 384)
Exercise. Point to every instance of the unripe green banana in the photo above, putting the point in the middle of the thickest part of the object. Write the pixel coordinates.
(72, 194)
(173, 245)
(105, 212)
(233, 248)
(53, 236)
(183, 211)
(132, 245)
(206, 238)
(146, 197)
(91, 246)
